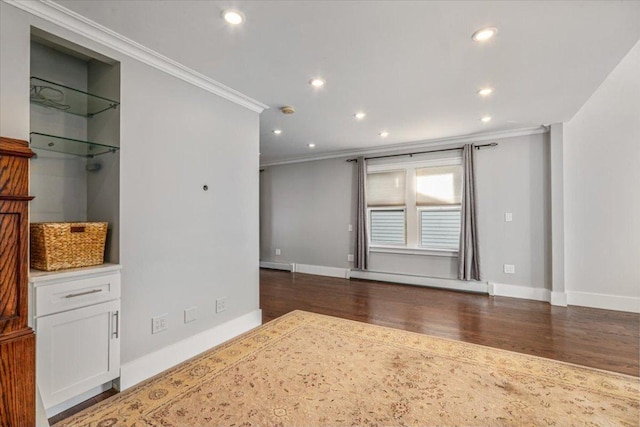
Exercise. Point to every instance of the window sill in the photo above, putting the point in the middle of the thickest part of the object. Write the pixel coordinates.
(413, 251)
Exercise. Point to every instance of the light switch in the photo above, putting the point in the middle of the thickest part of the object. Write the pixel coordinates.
(350, 227)
(190, 314)
(508, 217)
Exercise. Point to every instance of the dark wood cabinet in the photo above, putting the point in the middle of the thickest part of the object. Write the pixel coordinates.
(17, 340)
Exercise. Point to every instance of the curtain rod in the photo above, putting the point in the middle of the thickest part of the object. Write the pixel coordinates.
(477, 147)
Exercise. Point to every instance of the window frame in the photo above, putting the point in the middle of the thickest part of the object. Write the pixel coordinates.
(412, 227)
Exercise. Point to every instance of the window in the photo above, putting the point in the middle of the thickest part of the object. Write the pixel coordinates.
(415, 205)
(440, 228)
(387, 226)
(438, 193)
(386, 192)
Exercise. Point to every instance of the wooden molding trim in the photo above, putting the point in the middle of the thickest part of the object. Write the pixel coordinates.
(15, 147)
(16, 198)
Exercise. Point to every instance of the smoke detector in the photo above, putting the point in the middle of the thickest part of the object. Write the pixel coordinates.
(287, 109)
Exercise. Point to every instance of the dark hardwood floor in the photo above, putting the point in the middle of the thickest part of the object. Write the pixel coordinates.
(80, 406)
(601, 339)
(586, 336)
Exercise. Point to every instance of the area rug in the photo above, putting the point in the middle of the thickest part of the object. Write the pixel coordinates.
(305, 369)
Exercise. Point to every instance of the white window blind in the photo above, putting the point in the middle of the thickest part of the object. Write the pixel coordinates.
(439, 185)
(387, 226)
(386, 188)
(440, 228)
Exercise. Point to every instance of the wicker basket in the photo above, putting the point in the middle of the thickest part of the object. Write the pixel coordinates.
(61, 245)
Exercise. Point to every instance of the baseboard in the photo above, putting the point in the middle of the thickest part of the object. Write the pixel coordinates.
(559, 299)
(523, 292)
(41, 414)
(320, 270)
(131, 373)
(604, 301)
(407, 279)
(275, 265)
(61, 407)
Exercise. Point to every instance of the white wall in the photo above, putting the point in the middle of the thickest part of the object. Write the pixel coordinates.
(180, 246)
(514, 177)
(306, 209)
(103, 186)
(602, 189)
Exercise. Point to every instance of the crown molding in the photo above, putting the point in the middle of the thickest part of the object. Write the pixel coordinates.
(399, 148)
(70, 20)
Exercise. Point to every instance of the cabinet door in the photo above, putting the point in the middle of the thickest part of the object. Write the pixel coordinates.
(77, 351)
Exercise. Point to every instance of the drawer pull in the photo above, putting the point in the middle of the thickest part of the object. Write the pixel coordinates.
(116, 332)
(93, 291)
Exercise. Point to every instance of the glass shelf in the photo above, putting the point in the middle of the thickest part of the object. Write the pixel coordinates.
(69, 100)
(76, 147)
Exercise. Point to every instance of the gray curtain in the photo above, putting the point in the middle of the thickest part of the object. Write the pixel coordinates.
(468, 258)
(361, 257)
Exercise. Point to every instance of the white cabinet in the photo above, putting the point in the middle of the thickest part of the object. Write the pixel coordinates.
(77, 323)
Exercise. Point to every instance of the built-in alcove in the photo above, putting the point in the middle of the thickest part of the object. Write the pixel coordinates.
(75, 133)
(75, 176)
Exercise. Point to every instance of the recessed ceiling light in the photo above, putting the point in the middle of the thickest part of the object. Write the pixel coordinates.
(233, 17)
(360, 115)
(485, 91)
(485, 119)
(312, 145)
(277, 131)
(317, 82)
(384, 134)
(484, 34)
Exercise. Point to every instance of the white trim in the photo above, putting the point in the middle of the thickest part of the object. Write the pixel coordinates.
(41, 414)
(523, 292)
(411, 163)
(70, 20)
(558, 298)
(558, 226)
(36, 277)
(413, 251)
(407, 279)
(131, 373)
(61, 407)
(320, 270)
(604, 301)
(275, 265)
(426, 144)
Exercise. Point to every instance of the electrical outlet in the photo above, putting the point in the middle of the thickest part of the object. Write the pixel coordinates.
(350, 257)
(350, 227)
(278, 252)
(159, 323)
(221, 305)
(508, 217)
(190, 314)
(509, 269)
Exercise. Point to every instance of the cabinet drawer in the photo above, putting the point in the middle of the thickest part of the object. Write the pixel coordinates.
(57, 297)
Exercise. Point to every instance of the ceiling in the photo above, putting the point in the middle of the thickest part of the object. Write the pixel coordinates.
(411, 66)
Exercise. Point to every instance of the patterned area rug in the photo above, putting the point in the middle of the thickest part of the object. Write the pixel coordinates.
(306, 369)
